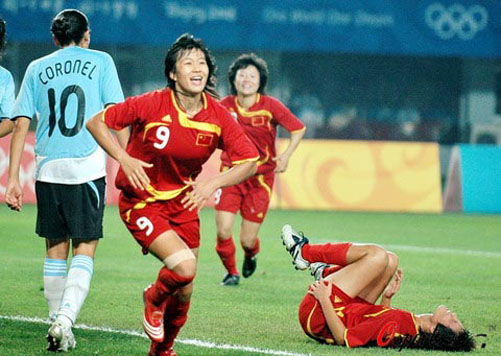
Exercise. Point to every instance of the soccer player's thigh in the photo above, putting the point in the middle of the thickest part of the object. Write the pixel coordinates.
(83, 209)
(227, 203)
(255, 204)
(50, 221)
(145, 224)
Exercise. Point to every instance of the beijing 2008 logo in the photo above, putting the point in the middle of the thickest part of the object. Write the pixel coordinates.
(456, 20)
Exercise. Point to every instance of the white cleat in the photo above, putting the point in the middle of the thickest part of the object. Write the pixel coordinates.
(294, 242)
(60, 338)
(317, 270)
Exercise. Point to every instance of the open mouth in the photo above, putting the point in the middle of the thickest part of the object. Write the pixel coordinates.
(197, 80)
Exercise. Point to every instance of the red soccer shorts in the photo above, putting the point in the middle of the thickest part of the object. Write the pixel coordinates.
(251, 197)
(148, 222)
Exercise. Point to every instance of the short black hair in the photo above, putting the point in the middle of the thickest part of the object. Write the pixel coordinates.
(243, 61)
(69, 26)
(2, 36)
(443, 338)
(186, 43)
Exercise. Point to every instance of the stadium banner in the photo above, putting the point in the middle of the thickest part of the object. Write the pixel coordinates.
(361, 175)
(427, 27)
(473, 183)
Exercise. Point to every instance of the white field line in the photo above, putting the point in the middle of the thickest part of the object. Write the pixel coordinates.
(432, 250)
(193, 342)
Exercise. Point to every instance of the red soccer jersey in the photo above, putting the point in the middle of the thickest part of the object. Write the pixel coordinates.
(260, 123)
(162, 134)
(365, 322)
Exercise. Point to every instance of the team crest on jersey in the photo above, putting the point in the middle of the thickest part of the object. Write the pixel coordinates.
(204, 139)
(258, 121)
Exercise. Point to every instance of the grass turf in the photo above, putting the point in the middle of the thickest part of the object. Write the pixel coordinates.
(447, 259)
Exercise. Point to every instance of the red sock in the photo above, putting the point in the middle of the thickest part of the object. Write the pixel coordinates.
(167, 283)
(327, 253)
(330, 270)
(226, 251)
(176, 314)
(251, 252)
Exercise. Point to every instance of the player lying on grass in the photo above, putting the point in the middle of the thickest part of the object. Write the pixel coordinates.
(340, 307)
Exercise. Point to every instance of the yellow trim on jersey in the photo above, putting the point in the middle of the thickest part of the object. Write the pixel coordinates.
(245, 160)
(415, 323)
(376, 314)
(191, 124)
(156, 196)
(308, 327)
(246, 113)
(300, 130)
(104, 112)
(265, 159)
(345, 337)
(261, 181)
(152, 125)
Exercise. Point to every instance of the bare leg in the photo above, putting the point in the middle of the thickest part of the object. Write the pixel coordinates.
(374, 290)
(248, 234)
(365, 265)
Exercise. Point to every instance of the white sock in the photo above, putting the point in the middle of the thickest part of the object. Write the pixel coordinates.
(76, 288)
(54, 280)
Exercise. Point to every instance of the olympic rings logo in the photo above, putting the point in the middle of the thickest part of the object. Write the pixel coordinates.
(456, 20)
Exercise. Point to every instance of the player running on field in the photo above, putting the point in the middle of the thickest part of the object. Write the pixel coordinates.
(259, 115)
(340, 307)
(174, 131)
(63, 90)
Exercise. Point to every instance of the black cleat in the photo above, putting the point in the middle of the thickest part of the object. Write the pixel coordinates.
(249, 266)
(231, 280)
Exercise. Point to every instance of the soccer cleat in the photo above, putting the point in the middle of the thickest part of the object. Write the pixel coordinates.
(317, 270)
(249, 266)
(153, 318)
(294, 242)
(60, 338)
(231, 280)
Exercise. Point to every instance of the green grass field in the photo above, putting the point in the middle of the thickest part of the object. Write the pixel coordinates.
(447, 259)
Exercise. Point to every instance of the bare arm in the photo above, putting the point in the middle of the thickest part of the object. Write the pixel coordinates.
(123, 137)
(392, 288)
(6, 127)
(14, 191)
(203, 190)
(283, 158)
(132, 167)
(322, 293)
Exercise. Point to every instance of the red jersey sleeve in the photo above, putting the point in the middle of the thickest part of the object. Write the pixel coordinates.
(234, 142)
(285, 117)
(124, 114)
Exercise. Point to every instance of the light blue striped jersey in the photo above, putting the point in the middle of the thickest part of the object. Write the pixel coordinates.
(7, 96)
(65, 89)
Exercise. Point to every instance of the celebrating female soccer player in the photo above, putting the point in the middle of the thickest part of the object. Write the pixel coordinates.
(174, 131)
(259, 115)
(340, 308)
(64, 89)
(6, 91)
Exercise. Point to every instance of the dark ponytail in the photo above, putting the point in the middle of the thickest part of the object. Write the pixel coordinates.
(2, 35)
(69, 26)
